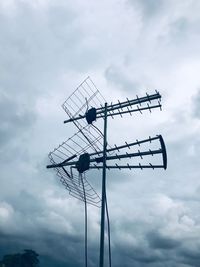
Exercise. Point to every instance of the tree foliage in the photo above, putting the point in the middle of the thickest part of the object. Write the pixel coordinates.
(29, 258)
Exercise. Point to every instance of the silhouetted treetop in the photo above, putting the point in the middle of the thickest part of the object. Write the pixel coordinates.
(29, 258)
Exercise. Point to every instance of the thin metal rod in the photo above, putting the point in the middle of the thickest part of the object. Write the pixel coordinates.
(109, 239)
(129, 155)
(132, 102)
(130, 110)
(103, 198)
(126, 145)
(129, 167)
(86, 234)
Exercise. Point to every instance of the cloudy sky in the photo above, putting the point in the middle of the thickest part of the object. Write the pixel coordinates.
(128, 47)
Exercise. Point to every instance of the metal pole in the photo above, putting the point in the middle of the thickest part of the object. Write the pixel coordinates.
(103, 195)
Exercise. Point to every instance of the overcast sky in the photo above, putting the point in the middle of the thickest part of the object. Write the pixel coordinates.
(127, 47)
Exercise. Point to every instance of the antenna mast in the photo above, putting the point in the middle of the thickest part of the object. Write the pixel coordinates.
(86, 150)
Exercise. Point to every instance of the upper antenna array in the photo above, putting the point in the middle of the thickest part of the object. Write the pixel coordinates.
(130, 106)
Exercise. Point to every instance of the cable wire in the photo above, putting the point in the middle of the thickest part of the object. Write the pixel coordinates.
(86, 246)
(87, 104)
(97, 129)
(109, 239)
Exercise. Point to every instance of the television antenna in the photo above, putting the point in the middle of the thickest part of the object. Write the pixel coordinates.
(88, 149)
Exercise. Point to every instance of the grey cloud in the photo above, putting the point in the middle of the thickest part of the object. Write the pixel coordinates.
(180, 32)
(190, 255)
(149, 8)
(196, 105)
(25, 203)
(15, 119)
(32, 227)
(116, 76)
(158, 241)
(140, 255)
(52, 248)
(180, 26)
(41, 46)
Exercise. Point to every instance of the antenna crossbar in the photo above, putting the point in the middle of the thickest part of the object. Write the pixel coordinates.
(127, 103)
(150, 166)
(119, 106)
(150, 139)
(130, 111)
(128, 155)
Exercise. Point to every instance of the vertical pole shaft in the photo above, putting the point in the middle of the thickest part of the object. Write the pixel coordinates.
(103, 195)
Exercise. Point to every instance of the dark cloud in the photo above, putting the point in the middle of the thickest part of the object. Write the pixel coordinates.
(190, 255)
(52, 248)
(158, 241)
